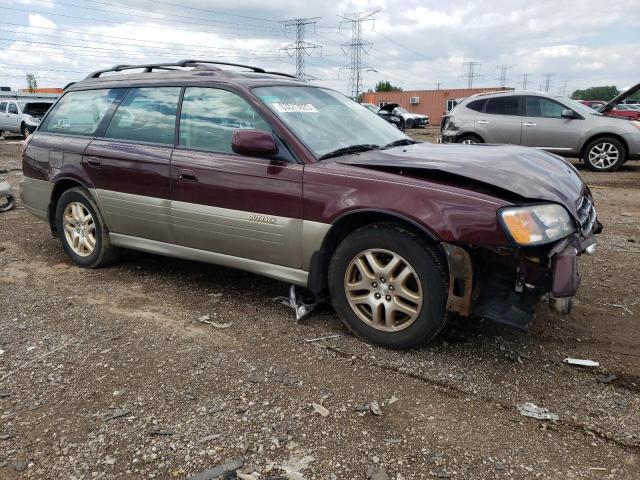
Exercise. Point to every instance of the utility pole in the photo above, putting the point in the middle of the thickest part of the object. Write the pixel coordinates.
(525, 81)
(437, 84)
(563, 90)
(300, 48)
(472, 72)
(503, 74)
(356, 48)
(547, 81)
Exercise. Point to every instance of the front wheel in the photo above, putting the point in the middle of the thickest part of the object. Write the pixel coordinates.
(389, 286)
(604, 154)
(26, 130)
(82, 230)
(469, 138)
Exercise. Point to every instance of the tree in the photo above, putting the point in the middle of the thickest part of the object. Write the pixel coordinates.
(596, 93)
(385, 86)
(32, 83)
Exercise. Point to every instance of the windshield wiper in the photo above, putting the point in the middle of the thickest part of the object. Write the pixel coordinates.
(350, 149)
(399, 143)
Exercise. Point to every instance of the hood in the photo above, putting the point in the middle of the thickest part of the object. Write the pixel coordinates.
(389, 107)
(627, 93)
(530, 174)
(36, 109)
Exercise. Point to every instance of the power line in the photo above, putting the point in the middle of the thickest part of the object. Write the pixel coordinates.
(472, 72)
(299, 47)
(356, 49)
(503, 74)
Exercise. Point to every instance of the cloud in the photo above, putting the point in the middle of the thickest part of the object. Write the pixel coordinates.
(37, 20)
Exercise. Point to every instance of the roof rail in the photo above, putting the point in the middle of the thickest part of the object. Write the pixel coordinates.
(183, 63)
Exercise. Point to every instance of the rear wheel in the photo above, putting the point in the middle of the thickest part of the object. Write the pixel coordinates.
(82, 230)
(469, 138)
(604, 154)
(408, 123)
(389, 286)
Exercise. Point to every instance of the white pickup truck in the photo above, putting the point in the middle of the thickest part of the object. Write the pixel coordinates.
(22, 116)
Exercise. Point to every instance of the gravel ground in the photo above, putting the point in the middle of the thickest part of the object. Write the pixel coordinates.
(110, 373)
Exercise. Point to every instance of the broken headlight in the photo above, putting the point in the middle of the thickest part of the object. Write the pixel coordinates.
(536, 224)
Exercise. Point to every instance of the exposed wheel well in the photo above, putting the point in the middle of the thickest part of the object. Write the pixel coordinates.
(59, 188)
(602, 135)
(342, 228)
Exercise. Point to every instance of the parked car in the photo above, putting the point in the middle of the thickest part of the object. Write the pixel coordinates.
(595, 104)
(411, 120)
(386, 113)
(22, 116)
(553, 123)
(262, 172)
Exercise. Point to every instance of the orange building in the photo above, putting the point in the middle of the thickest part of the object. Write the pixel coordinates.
(42, 90)
(426, 102)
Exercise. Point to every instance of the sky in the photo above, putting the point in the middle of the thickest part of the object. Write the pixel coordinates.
(414, 44)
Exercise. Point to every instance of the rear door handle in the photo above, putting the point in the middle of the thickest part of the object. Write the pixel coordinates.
(529, 124)
(483, 122)
(187, 175)
(94, 162)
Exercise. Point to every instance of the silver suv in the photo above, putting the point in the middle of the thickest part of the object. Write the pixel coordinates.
(553, 123)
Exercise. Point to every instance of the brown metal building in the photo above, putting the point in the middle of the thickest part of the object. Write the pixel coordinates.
(426, 102)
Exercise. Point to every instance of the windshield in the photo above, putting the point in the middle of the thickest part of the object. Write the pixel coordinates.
(402, 110)
(325, 120)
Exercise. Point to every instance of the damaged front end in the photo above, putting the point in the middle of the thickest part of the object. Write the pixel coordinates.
(504, 284)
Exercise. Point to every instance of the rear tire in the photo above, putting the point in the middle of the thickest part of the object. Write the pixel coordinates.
(469, 138)
(408, 123)
(389, 286)
(82, 231)
(604, 154)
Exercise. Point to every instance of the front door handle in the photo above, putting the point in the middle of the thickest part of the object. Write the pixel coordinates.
(529, 124)
(94, 162)
(483, 122)
(187, 175)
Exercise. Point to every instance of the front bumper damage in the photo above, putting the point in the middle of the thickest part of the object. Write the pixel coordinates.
(504, 285)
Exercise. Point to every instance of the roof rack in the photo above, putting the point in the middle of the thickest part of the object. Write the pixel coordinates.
(183, 63)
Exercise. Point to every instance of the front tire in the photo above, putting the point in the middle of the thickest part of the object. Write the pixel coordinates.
(469, 139)
(26, 130)
(389, 286)
(605, 154)
(82, 230)
(408, 123)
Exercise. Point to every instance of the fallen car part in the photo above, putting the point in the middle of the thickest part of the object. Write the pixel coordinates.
(460, 279)
(301, 304)
(608, 378)
(560, 306)
(7, 200)
(534, 411)
(581, 363)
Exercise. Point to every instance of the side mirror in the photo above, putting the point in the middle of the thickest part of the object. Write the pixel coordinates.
(568, 114)
(255, 143)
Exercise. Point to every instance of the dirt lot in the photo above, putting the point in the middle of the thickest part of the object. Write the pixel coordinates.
(110, 374)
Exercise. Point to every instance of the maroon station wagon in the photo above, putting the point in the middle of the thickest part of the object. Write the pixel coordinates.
(259, 171)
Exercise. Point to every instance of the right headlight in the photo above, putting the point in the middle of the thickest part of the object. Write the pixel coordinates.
(536, 224)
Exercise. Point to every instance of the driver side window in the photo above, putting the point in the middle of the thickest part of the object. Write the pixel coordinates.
(543, 107)
(210, 115)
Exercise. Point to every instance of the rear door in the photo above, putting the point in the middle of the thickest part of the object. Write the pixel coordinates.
(129, 164)
(501, 120)
(232, 204)
(544, 127)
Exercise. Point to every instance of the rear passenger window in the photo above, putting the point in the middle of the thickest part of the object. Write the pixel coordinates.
(146, 115)
(503, 106)
(80, 113)
(209, 116)
(476, 105)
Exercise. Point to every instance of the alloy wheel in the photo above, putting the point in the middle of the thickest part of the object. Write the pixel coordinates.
(79, 229)
(603, 155)
(383, 290)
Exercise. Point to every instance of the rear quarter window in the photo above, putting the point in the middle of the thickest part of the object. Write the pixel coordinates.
(80, 113)
(503, 106)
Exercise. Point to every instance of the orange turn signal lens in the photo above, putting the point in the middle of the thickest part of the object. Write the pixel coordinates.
(522, 227)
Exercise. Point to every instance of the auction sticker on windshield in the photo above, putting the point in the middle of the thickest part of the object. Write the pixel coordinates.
(294, 107)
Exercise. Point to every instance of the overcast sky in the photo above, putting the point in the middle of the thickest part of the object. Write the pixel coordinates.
(415, 43)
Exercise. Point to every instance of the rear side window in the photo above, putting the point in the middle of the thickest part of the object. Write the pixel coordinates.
(544, 107)
(209, 116)
(476, 105)
(3, 107)
(13, 108)
(146, 115)
(80, 113)
(503, 106)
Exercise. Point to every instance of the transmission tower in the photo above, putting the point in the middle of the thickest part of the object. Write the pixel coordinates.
(547, 81)
(356, 48)
(300, 48)
(503, 74)
(563, 89)
(525, 81)
(472, 72)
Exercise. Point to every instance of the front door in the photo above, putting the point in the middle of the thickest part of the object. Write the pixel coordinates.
(129, 165)
(13, 118)
(544, 127)
(3, 115)
(500, 120)
(227, 203)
